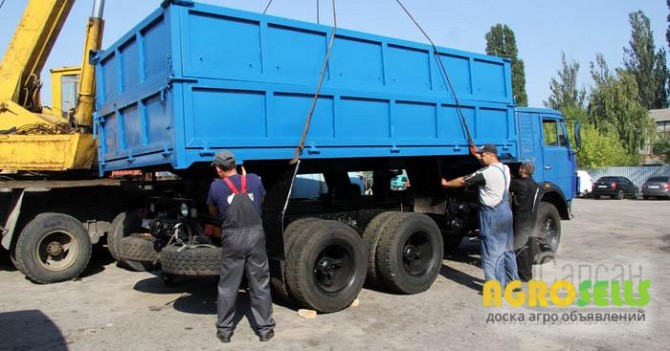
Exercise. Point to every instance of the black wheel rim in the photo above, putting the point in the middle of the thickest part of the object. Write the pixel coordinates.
(334, 268)
(417, 253)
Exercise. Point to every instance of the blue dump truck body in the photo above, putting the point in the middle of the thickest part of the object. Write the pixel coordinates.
(192, 79)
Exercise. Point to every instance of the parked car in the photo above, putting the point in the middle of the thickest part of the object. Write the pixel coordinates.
(656, 187)
(614, 187)
(400, 182)
(584, 183)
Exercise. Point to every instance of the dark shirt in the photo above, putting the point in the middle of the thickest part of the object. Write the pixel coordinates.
(220, 195)
(524, 190)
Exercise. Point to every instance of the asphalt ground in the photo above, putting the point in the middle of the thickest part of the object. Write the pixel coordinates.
(110, 308)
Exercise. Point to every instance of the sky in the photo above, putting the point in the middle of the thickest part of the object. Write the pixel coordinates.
(543, 29)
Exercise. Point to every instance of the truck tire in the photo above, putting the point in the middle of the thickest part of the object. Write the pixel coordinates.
(293, 230)
(548, 225)
(53, 247)
(371, 236)
(123, 225)
(409, 255)
(138, 249)
(200, 261)
(326, 265)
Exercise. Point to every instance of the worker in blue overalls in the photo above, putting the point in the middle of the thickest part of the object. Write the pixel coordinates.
(495, 215)
(237, 199)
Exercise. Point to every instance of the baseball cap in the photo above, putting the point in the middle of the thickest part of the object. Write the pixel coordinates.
(224, 158)
(489, 148)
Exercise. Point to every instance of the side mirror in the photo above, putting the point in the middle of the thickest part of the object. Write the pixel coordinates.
(578, 135)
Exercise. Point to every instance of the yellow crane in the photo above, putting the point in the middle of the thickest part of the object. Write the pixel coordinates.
(33, 137)
(53, 208)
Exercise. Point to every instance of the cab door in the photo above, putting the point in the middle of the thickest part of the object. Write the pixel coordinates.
(557, 162)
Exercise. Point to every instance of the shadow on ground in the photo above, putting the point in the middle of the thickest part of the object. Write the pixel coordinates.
(30, 330)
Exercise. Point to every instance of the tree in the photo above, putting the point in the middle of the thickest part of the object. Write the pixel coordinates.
(662, 147)
(599, 149)
(501, 42)
(614, 107)
(603, 149)
(646, 64)
(667, 32)
(564, 92)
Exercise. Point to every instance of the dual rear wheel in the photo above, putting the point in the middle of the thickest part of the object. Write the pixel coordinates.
(327, 262)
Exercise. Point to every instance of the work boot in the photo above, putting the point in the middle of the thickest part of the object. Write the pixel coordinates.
(267, 336)
(224, 336)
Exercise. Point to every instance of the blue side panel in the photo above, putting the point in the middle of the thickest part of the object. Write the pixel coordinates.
(190, 80)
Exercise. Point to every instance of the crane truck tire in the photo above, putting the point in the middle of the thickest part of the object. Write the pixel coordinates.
(409, 254)
(123, 225)
(373, 231)
(138, 249)
(53, 247)
(326, 266)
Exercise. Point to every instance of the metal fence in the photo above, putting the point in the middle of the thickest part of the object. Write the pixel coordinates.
(637, 175)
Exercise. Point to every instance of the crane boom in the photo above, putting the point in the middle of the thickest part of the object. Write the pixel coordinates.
(29, 49)
(33, 138)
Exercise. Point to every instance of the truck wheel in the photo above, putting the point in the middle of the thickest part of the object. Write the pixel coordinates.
(325, 266)
(548, 225)
(123, 225)
(53, 247)
(409, 255)
(138, 249)
(199, 261)
(371, 236)
(293, 230)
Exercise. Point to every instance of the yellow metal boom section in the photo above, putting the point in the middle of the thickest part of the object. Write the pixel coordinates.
(33, 138)
(29, 49)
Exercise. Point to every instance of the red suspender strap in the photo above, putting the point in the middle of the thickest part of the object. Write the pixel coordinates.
(232, 186)
(244, 184)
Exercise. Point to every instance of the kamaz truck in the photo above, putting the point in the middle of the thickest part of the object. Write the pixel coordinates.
(193, 79)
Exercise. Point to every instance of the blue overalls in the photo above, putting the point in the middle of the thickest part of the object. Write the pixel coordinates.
(496, 233)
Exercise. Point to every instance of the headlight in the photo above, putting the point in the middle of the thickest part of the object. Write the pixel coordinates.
(184, 210)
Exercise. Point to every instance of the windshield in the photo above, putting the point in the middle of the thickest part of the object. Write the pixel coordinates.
(658, 179)
(607, 179)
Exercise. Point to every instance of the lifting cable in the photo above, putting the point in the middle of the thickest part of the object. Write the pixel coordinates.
(301, 145)
(267, 6)
(444, 72)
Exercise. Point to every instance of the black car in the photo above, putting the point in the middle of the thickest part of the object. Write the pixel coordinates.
(614, 187)
(656, 187)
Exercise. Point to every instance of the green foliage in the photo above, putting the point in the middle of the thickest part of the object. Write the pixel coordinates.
(614, 107)
(599, 149)
(602, 149)
(564, 92)
(662, 147)
(647, 65)
(501, 42)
